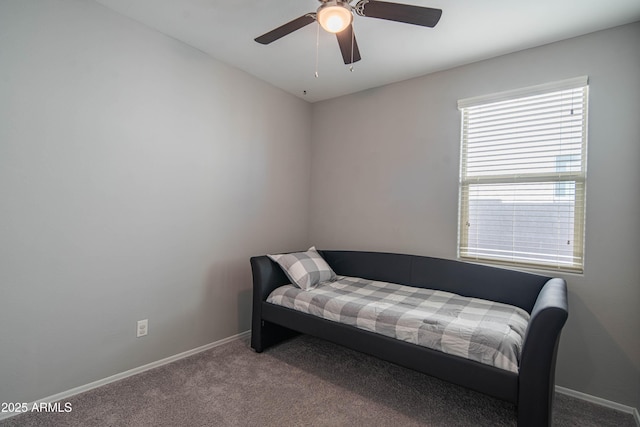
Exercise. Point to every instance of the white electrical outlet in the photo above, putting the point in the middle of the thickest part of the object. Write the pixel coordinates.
(143, 328)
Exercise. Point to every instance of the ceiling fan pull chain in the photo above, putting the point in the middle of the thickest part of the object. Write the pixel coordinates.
(317, 49)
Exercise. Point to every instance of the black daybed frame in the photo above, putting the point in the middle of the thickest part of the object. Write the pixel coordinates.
(545, 298)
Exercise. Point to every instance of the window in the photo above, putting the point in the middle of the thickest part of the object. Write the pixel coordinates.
(523, 176)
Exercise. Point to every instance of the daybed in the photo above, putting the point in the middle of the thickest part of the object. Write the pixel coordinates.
(531, 388)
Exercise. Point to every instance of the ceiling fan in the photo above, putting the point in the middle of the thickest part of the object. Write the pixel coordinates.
(336, 16)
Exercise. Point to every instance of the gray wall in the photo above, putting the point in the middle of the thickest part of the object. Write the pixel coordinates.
(385, 177)
(137, 176)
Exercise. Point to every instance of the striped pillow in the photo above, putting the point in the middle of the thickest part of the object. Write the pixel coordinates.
(305, 269)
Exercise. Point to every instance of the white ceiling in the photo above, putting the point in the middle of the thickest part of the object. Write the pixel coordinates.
(469, 30)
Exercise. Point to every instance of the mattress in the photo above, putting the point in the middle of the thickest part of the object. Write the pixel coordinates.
(484, 331)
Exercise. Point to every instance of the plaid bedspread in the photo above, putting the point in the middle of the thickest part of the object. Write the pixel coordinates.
(476, 329)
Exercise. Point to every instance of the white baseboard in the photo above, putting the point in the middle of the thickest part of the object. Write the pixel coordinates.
(600, 401)
(81, 389)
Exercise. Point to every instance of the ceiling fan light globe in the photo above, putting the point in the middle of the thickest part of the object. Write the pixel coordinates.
(334, 16)
(335, 24)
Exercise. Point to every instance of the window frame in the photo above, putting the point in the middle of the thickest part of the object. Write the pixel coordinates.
(579, 177)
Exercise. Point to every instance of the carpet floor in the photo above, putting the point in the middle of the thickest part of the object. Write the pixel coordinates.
(301, 382)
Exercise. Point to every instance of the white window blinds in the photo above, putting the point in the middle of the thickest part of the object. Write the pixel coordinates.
(522, 177)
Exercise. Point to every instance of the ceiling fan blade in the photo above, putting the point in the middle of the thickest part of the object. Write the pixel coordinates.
(287, 28)
(425, 16)
(345, 38)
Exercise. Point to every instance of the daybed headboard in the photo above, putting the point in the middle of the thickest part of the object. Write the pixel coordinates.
(459, 277)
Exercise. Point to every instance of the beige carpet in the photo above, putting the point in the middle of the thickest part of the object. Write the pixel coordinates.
(302, 382)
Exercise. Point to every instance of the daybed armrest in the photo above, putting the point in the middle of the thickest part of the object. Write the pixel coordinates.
(539, 350)
(267, 276)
